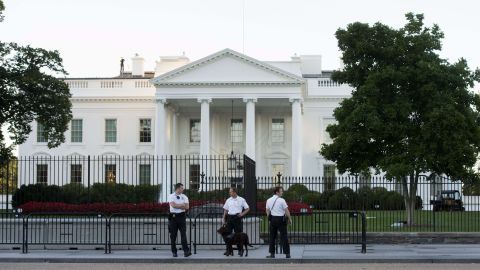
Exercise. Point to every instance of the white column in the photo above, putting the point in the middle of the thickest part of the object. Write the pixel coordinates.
(250, 128)
(160, 137)
(175, 132)
(160, 124)
(296, 136)
(205, 126)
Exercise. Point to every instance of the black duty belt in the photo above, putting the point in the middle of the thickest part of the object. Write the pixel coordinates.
(173, 215)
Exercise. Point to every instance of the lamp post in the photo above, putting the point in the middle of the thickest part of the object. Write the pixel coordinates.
(279, 181)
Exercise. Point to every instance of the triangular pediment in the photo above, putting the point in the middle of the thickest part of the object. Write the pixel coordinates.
(227, 66)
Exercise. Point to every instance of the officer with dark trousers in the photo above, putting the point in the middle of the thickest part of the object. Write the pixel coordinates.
(177, 220)
(234, 210)
(279, 217)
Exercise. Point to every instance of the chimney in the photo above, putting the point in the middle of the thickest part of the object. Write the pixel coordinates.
(169, 63)
(311, 65)
(138, 66)
(295, 58)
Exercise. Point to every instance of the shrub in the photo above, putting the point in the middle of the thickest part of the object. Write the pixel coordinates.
(313, 199)
(324, 198)
(212, 196)
(294, 208)
(343, 199)
(38, 193)
(264, 194)
(419, 203)
(393, 201)
(298, 188)
(76, 193)
(295, 193)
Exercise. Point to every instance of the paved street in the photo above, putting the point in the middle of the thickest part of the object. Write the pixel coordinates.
(156, 266)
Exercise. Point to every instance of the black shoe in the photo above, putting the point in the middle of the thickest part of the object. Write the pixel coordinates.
(188, 254)
(287, 256)
(271, 256)
(175, 254)
(226, 253)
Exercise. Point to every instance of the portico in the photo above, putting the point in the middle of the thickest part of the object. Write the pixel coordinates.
(197, 98)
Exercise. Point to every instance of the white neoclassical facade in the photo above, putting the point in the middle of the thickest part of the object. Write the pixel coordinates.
(274, 112)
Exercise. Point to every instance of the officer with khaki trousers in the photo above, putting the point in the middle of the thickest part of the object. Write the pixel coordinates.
(279, 217)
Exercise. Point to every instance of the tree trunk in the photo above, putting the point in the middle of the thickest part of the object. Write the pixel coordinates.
(410, 207)
(410, 196)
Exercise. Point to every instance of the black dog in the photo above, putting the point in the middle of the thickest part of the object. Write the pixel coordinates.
(239, 239)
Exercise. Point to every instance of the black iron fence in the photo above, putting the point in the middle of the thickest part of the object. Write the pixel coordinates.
(103, 179)
(101, 232)
(129, 191)
(441, 205)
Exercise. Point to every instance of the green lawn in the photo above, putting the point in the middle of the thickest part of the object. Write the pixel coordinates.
(381, 221)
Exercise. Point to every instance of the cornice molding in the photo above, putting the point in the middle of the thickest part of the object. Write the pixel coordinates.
(231, 83)
(112, 99)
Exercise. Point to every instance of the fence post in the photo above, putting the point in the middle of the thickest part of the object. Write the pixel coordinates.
(25, 235)
(171, 171)
(108, 235)
(88, 179)
(364, 232)
(7, 180)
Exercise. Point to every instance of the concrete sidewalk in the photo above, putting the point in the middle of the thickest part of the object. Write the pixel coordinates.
(300, 254)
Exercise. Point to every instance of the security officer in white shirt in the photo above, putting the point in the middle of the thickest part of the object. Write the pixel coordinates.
(278, 209)
(234, 209)
(177, 219)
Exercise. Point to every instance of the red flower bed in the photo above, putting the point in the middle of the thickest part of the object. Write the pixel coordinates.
(295, 208)
(110, 208)
(105, 208)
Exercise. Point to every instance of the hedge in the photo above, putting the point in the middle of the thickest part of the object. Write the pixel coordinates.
(79, 194)
(344, 198)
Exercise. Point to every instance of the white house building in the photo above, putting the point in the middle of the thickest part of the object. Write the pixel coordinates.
(274, 112)
(280, 112)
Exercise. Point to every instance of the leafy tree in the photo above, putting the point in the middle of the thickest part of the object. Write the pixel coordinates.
(29, 92)
(411, 112)
(8, 177)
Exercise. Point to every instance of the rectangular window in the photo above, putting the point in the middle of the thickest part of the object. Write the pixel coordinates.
(76, 173)
(236, 130)
(110, 173)
(194, 181)
(329, 177)
(77, 130)
(144, 174)
(195, 130)
(41, 133)
(278, 130)
(110, 130)
(42, 173)
(145, 130)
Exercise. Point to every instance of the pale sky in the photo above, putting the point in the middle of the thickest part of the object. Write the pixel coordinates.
(92, 35)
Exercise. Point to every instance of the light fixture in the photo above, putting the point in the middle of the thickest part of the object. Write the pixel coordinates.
(232, 160)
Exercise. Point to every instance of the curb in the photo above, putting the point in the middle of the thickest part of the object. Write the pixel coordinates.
(238, 261)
